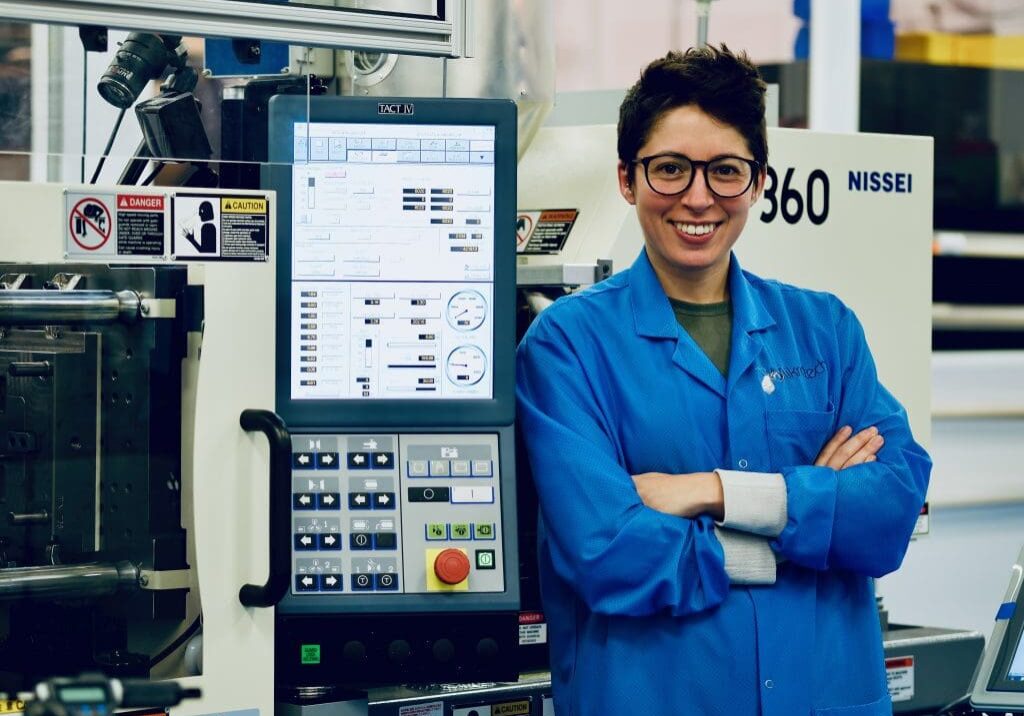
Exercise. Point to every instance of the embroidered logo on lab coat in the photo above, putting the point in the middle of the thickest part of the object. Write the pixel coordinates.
(780, 374)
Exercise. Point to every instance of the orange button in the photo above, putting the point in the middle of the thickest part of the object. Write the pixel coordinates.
(451, 566)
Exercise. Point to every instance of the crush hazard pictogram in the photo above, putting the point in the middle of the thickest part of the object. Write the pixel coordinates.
(90, 224)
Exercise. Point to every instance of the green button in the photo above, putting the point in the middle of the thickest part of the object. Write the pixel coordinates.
(485, 559)
(310, 654)
(484, 531)
(460, 530)
(437, 530)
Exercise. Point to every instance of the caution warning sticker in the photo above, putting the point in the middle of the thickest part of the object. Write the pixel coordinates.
(506, 708)
(220, 228)
(11, 706)
(544, 232)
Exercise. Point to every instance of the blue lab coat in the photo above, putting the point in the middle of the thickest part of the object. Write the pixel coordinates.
(642, 617)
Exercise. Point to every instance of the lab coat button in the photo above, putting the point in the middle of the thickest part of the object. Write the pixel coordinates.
(743, 463)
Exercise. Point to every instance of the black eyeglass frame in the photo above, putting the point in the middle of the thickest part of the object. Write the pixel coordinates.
(755, 167)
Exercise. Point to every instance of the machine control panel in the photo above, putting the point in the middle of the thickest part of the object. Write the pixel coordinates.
(396, 513)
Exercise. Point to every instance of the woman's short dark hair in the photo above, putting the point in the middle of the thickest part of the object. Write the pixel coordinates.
(723, 84)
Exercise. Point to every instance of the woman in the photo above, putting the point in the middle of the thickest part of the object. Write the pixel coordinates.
(710, 524)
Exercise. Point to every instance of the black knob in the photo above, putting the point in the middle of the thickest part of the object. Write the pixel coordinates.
(444, 650)
(354, 652)
(487, 649)
(399, 651)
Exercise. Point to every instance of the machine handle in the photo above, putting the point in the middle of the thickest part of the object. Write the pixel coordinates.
(271, 425)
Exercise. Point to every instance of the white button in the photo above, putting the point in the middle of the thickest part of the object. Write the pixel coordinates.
(475, 494)
(743, 463)
(769, 684)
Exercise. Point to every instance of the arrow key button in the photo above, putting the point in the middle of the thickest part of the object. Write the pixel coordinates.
(303, 461)
(306, 583)
(331, 582)
(384, 500)
(359, 501)
(383, 460)
(330, 541)
(305, 542)
(303, 501)
(327, 461)
(329, 501)
(358, 461)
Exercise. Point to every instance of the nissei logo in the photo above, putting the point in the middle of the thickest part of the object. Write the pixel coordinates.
(888, 182)
(395, 108)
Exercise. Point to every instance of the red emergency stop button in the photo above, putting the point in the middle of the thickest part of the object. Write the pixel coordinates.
(451, 566)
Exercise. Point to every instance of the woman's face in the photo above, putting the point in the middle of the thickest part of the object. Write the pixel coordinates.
(689, 236)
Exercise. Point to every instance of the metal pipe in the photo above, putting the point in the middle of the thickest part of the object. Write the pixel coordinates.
(703, 9)
(25, 519)
(964, 317)
(35, 307)
(72, 580)
(30, 369)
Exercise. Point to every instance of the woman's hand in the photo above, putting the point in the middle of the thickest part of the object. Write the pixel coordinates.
(846, 450)
(686, 495)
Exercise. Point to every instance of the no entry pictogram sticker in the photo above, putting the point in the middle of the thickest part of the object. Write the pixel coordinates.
(90, 224)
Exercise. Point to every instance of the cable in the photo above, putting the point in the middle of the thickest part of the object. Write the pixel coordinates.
(85, 107)
(176, 644)
(110, 143)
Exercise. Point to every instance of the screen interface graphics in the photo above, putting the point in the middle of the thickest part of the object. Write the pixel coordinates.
(1016, 672)
(392, 261)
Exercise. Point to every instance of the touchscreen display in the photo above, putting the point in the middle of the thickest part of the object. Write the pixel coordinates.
(1016, 672)
(392, 272)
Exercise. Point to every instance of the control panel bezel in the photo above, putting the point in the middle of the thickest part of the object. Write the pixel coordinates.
(412, 602)
(284, 112)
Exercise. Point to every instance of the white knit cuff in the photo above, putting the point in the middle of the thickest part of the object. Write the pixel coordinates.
(748, 558)
(755, 502)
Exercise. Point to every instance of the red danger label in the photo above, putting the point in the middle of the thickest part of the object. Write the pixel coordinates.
(531, 617)
(140, 202)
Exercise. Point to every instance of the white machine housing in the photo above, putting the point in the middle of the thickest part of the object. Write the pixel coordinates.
(225, 499)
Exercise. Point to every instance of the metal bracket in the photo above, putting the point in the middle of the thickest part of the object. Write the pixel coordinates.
(569, 275)
(159, 308)
(13, 281)
(68, 281)
(161, 580)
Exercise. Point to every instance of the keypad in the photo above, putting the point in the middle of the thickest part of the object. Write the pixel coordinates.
(368, 511)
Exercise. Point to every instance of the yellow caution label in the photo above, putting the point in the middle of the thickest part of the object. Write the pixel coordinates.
(511, 708)
(11, 706)
(243, 205)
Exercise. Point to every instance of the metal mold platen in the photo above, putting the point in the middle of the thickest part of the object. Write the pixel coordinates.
(90, 459)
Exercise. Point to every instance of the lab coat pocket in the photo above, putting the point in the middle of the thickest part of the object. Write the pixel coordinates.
(795, 437)
(882, 707)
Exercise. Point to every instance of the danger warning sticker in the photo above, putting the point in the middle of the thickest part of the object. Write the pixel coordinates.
(220, 228)
(104, 226)
(899, 674)
(140, 224)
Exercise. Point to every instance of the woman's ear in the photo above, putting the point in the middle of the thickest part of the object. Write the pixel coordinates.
(762, 177)
(626, 183)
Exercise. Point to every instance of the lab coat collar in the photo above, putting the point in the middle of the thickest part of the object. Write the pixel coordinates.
(653, 315)
(654, 318)
(749, 313)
